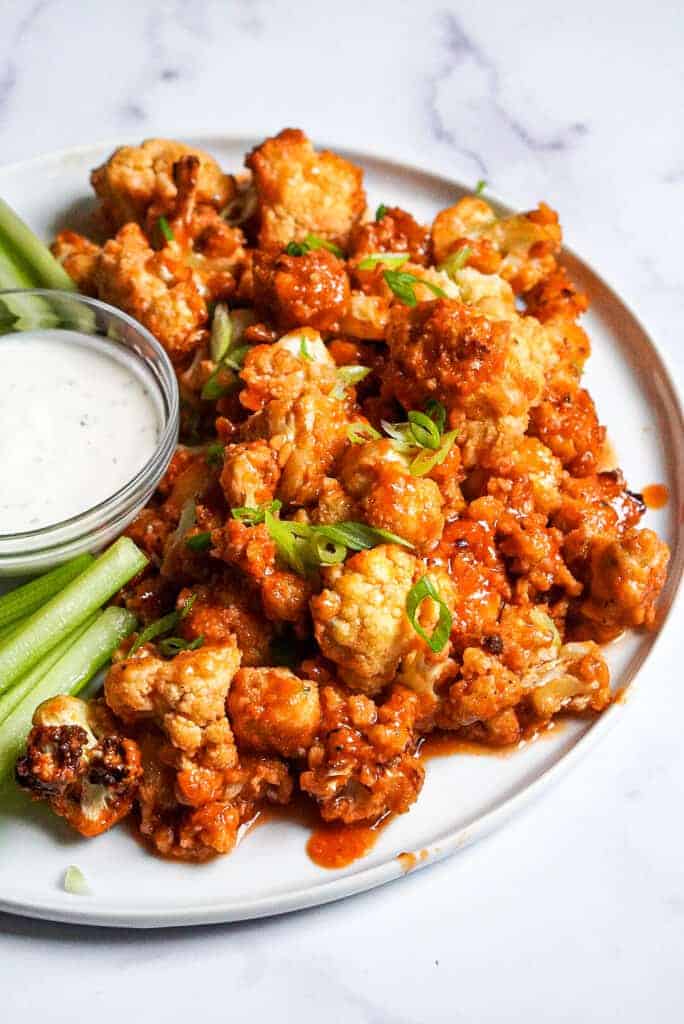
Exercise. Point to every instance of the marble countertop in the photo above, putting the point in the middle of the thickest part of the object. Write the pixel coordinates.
(575, 911)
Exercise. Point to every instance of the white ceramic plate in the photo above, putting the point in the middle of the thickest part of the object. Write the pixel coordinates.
(463, 797)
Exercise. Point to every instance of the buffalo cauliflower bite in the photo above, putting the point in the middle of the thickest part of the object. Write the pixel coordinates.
(157, 288)
(301, 192)
(224, 609)
(576, 680)
(364, 764)
(250, 474)
(568, 425)
(138, 180)
(360, 619)
(395, 232)
(77, 760)
(311, 290)
(297, 362)
(273, 711)
(79, 258)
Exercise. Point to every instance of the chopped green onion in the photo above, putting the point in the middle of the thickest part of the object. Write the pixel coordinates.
(480, 187)
(381, 211)
(214, 455)
(304, 351)
(74, 669)
(359, 536)
(456, 261)
(421, 590)
(287, 541)
(170, 646)
(163, 625)
(436, 411)
(221, 332)
(349, 375)
(199, 541)
(314, 242)
(424, 430)
(68, 609)
(327, 552)
(165, 229)
(362, 433)
(404, 284)
(253, 515)
(427, 459)
(27, 599)
(296, 249)
(394, 260)
(74, 881)
(401, 434)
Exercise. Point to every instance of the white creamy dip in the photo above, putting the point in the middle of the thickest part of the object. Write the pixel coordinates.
(78, 419)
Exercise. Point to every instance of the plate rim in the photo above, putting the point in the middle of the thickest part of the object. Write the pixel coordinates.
(446, 844)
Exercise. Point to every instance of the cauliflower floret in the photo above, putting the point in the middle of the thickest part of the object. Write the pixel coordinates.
(488, 294)
(626, 577)
(185, 697)
(137, 180)
(367, 316)
(250, 474)
(364, 764)
(485, 688)
(301, 192)
(224, 609)
(311, 290)
(77, 760)
(527, 244)
(286, 369)
(308, 434)
(79, 258)
(395, 232)
(360, 617)
(568, 424)
(272, 710)
(487, 373)
(157, 288)
(577, 680)
(389, 497)
(528, 478)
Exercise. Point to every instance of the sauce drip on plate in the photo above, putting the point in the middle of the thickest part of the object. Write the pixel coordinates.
(655, 496)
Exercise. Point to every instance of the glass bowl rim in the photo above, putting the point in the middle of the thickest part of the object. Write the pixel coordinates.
(167, 384)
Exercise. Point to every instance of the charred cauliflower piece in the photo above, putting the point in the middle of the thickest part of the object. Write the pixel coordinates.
(301, 192)
(360, 617)
(272, 710)
(137, 180)
(77, 760)
(364, 764)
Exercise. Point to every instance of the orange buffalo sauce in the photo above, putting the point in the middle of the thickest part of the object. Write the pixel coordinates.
(336, 846)
(655, 496)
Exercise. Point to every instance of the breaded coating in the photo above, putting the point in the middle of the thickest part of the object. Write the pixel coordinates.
(158, 289)
(301, 192)
(273, 711)
(311, 290)
(138, 179)
(250, 473)
(577, 680)
(569, 426)
(360, 617)
(395, 232)
(222, 610)
(364, 765)
(297, 362)
(79, 258)
(527, 244)
(77, 759)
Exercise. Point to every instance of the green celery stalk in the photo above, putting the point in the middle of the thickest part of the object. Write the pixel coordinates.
(13, 697)
(31, 596)
(29, 255)
(68, 609)
(69, 675)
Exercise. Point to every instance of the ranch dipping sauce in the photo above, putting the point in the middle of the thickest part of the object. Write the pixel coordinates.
(79, 417)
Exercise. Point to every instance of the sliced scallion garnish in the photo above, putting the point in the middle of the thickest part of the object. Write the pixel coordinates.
(393, 260)
(425, 588)
(311, 243)
(170, 646)
(480, 187)
(381, 211)
(456, 261)
(362, 433)
(252, 515)
(304, 351)
(221, 332)
(165, 229)
(162, 626)
(75, 882)
(403, 285)
(199, 541)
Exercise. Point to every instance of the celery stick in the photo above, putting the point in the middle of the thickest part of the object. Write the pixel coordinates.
(27, 599)
(68, 609)
(29, 254)
(69, 675)
(9, 700)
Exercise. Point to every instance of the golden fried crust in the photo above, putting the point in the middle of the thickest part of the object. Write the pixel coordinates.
(156, 288)
(300, 191)
(79, 258)
(301, 291)
(224, 610)
(364, 764)
(137, 178)
(395, 232)
(273, 711)
(569, 426)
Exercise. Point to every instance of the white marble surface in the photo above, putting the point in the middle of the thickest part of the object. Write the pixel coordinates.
(575, 912)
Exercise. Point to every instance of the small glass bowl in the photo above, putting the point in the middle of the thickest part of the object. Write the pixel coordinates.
(40, 309)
